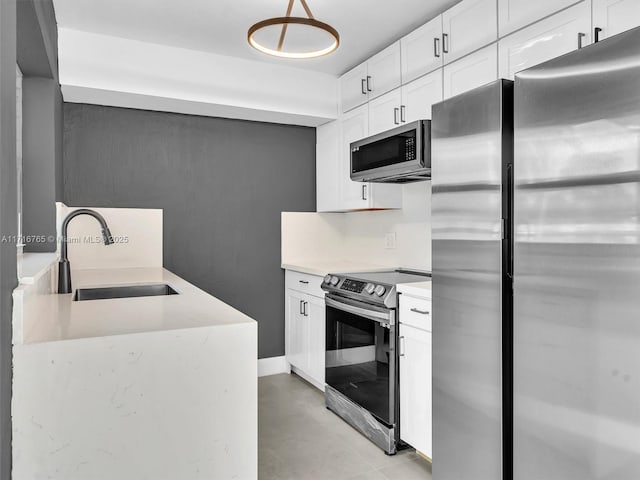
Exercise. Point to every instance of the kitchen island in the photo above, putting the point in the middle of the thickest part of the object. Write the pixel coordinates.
(160, 387)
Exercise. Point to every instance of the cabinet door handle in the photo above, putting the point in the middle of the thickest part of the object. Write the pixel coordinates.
(301, 307)
(363, 85)
(401, 346)
(304, 309)
(596, 34)
(403, 110)
(304, 282)
(436, 47)
(445, 43)
(396, 111)
(364, 192)
(580, 37)
(368, 83)
(421, 312)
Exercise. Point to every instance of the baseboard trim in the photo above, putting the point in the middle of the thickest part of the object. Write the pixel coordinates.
(272, 366)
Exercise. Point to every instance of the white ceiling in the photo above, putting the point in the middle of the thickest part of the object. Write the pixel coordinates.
(220, 26)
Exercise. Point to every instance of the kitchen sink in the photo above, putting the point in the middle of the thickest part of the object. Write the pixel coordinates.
(123, 291)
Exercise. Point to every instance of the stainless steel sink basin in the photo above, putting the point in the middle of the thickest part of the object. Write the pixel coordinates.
(123, 291)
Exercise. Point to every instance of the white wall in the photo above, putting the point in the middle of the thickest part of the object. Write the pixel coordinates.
(107, 70)
(360, 236)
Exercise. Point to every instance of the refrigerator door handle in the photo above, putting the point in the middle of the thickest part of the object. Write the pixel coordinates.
(509, 221)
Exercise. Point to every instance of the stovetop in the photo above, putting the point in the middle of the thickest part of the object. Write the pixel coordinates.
(375, 288)
(393, 277)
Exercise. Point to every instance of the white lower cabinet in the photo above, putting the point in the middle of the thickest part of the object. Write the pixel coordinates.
(317, 337)
(415, 374)
(559, 34)
(305, 327)
(297, 344)
(472, 71)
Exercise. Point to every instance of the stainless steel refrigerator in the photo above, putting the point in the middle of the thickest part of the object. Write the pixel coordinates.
(542, 383)
(472, 158)
(577, 265)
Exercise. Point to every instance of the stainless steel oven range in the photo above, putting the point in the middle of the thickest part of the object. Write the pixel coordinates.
(361, 371)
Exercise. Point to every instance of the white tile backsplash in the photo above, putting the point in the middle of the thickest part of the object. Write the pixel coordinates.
(360, 236)
(137, 233)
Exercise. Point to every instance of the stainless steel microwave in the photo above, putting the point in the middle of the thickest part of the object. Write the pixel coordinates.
(400, 155)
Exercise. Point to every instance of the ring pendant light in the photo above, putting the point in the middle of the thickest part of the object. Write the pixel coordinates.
(287, 20)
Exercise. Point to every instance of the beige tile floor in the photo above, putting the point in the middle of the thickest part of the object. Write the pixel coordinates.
(299, 439)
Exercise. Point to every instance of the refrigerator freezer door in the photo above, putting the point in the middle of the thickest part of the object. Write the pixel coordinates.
(471, 149)
(577, 265)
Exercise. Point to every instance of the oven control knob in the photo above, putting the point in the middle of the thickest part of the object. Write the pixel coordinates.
(369, 288)
(327, 279)
(334, 280)
(380, 290)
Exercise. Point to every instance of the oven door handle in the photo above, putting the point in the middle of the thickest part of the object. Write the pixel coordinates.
(345, 305)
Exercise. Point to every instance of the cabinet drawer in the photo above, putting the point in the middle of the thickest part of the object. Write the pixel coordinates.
(303, 282)
(415, 312)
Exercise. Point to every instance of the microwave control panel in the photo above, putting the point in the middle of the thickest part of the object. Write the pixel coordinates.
(352, 286)
(410, 148)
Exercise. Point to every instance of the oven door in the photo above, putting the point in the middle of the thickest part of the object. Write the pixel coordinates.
(360, 355)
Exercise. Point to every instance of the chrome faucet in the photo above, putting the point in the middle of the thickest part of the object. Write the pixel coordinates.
(64, 270)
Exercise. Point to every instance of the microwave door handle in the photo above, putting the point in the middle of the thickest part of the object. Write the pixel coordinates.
(379, 317)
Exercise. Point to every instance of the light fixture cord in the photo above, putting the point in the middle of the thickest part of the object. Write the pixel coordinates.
(284, 27)
(283, 33)
(307, 9)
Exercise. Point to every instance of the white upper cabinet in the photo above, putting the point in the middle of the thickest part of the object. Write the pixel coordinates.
(385, 112)
(335, 191)
(355, 126)
(559, 34)
(611, 17)
(353, 88)
(472, 71)
(418, 96)
(515, 14)
(468, 26)
(327, 164)
(358, 195)
(422, 50)
(377, 76)
(384, 71)
(411, 102)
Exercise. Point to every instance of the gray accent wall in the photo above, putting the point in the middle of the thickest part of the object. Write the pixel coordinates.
(8, 220)
(222, 184)
(37, 56)
(41, 160)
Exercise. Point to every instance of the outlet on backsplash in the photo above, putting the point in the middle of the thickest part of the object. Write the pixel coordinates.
(390, 240)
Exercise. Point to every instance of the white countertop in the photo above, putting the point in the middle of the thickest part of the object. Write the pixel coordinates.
(417, 289)
(55, 317)
(321, 268)
(32, 265)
